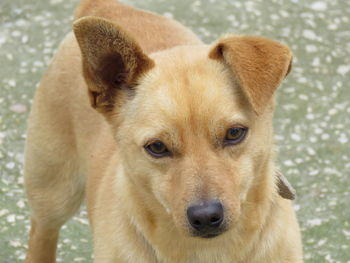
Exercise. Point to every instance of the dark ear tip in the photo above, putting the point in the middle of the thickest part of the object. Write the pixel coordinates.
(81, 21)
(89, 23)
(79, 25)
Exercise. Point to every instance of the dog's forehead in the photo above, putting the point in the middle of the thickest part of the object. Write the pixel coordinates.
(187, 93)
(187, 83)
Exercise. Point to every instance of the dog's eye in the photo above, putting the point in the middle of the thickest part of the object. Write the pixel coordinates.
(157, 149)
(235, 135)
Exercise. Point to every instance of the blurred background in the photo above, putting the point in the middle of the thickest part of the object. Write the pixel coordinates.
(312, 120)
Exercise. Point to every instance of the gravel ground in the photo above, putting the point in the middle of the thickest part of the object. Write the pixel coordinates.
(312, 120)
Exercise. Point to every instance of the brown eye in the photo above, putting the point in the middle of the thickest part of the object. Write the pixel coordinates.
(235, 135)
(157, 149)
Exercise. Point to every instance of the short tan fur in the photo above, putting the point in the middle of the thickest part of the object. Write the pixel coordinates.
(125, 79)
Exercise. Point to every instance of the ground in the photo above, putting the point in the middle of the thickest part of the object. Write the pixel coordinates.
(312, 120)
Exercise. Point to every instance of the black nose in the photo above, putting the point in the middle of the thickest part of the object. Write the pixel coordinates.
(206, 217)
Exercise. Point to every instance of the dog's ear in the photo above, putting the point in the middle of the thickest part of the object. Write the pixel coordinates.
(258, 64)
(112, 61)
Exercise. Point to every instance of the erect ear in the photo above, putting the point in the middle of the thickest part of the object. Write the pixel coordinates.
(258, 64)
(112, 61)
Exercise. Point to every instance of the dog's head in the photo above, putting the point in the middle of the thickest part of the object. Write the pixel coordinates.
(193, 124)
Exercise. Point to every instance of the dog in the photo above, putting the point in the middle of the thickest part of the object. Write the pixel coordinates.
(169, 139)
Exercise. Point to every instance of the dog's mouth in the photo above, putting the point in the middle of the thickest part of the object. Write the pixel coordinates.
(209, 233)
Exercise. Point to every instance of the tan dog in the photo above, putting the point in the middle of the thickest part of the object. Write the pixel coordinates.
(178, 152)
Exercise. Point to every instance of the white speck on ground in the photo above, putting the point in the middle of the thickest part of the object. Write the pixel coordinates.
(343, 69)
(319, 6)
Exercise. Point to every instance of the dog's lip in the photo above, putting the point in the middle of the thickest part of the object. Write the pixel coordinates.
(209, 234)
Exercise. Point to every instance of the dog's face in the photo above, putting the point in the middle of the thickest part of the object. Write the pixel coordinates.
(193, 124)
(195, 138)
